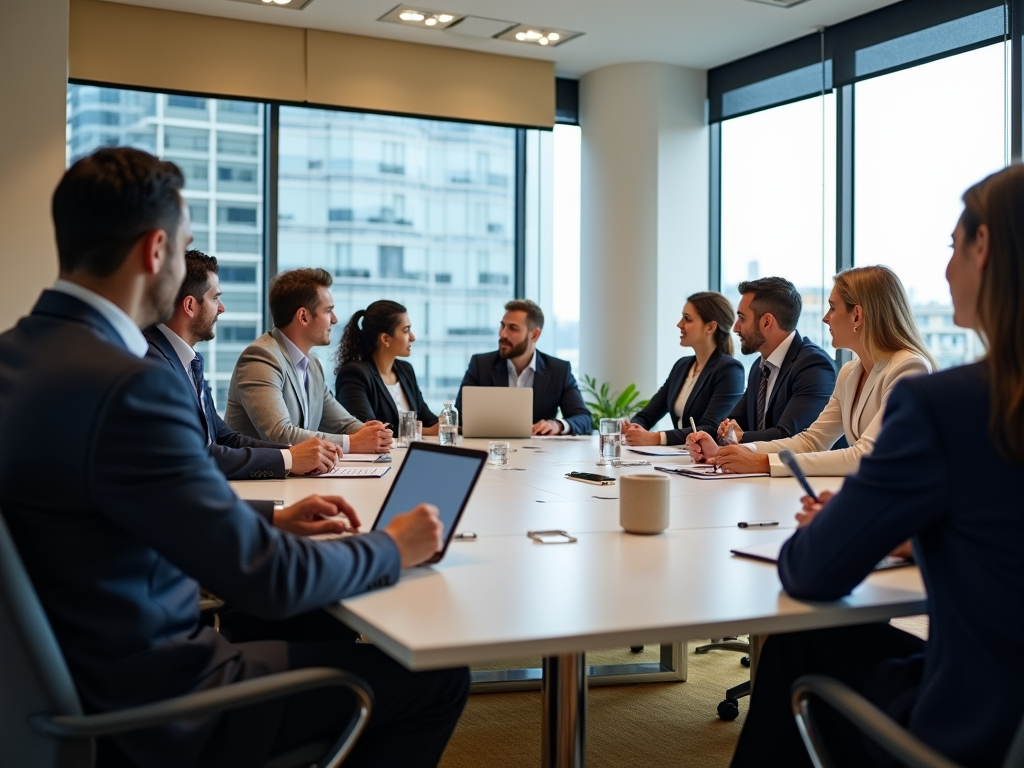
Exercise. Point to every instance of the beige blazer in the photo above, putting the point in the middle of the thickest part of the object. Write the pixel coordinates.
(860, 424)
(265, 397)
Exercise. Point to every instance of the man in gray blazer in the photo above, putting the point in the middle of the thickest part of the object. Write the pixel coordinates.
(277, 391)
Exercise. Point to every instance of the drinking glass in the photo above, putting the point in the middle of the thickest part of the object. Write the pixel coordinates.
(448, 434)
(406, 427)
(419, 431)
(610, 440)
(498, 453)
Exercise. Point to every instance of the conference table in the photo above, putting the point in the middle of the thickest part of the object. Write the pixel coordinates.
(501, 595)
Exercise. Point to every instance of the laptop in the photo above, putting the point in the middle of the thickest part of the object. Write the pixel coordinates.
(497, 411)
(433, 474)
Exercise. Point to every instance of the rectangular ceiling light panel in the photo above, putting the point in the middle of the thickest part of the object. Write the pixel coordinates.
(534, 35)
(413, 16)
(477, 26)
(294, 5)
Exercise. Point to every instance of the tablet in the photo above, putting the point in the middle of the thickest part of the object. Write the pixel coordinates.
(433, 474)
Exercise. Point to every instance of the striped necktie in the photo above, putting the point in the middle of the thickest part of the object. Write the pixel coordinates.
(762, 392)
(196, 367)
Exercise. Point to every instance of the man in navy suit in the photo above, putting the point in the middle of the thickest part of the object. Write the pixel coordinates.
(789, 386)
(140, 515)
(239, 457)
(517, 363)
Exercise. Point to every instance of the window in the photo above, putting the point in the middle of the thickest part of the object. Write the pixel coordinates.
(387, 205)
(182, 126)
(923, 135)
(778, 204)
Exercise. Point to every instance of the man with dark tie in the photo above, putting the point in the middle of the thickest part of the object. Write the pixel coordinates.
(791, 383)
(173, 343)
(140, 516)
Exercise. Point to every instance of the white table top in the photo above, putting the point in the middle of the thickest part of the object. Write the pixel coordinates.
(504, 596)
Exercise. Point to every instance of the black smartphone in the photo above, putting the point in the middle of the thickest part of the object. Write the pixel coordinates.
(590, 477)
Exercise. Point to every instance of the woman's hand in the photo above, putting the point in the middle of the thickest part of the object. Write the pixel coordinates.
(702, 447)
(740, 460)
(637, 435)
(811, 508)
(729, 432)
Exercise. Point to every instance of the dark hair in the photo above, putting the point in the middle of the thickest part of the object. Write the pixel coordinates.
(714, 306)
(295, 289)
(360, 343)
(775, 296)
(198, 267)
(996, 202)
(534, 314)
(108, 200)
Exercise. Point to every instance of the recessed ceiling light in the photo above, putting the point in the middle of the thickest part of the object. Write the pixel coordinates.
(419, 17)
(290, 5)
(524, 33)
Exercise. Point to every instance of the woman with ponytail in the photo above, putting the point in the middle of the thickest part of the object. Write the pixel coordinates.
(371, 382)
(705, 385)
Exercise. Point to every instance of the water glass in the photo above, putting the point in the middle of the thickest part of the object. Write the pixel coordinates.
(498, 453)
(448, 434)
(419, 432)
(610, 440)
(406, 427)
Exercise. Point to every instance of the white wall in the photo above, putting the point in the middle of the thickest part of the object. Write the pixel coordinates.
(33, 94)
(644, 217)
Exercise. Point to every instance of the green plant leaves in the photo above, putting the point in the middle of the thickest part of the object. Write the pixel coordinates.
(603, 404)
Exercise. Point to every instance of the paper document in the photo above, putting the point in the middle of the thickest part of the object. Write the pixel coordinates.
(369, 458)
(354, 472)
(769, 553)
(559, 437)
(705, 472)
(659, 450)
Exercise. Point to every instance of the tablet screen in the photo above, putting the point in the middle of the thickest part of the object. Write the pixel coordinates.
(443, 478)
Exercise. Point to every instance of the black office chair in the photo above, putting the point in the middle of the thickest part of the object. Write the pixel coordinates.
(41, 719)
(729, 708)
(874, 724)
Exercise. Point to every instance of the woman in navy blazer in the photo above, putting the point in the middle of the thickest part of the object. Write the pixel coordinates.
(703, 386)
(371, 382)
(955, 691)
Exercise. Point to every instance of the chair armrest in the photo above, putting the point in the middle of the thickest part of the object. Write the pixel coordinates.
(863, 715)
(233, 696)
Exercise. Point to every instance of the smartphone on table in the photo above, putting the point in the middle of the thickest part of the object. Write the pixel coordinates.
(590, 477)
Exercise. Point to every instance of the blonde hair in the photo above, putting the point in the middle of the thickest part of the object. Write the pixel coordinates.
(889, 324)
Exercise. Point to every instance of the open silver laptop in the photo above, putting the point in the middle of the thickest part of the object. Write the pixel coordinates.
(497, 411)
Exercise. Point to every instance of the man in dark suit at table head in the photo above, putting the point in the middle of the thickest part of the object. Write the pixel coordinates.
(196, 310)
(517, 363)
(140, 515)
(789, 386)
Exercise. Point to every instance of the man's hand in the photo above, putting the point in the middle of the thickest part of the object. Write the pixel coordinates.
(702, 447)
(741, 460)
(547, 427)
(637, 435)
(729, 432)
(314, 456)
(811, 508)
(317, 514)
(374, 437)
(417, 534)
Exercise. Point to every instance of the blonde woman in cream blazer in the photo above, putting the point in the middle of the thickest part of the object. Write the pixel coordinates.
(869, 313)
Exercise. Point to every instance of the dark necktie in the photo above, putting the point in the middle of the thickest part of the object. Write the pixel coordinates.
(197, 380)
(762, 392)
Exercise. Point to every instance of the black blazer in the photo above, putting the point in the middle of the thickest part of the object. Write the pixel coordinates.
(239, 457)
(801, 392)
(140, 515)
(554, 387)
(967, 528)
(363, 393)
(717, 389)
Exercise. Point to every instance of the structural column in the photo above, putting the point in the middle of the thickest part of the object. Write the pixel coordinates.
(33, 95)
(644, 217)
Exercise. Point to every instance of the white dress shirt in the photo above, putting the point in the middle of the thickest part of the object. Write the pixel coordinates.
(301, 363)
(525, 379)
(775, 360)
(186, 354)
(117, 317)
(398, 395)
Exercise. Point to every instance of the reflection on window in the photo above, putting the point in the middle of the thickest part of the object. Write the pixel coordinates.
(224, 198)
(403, 209)
(923, 135)
(778, 204)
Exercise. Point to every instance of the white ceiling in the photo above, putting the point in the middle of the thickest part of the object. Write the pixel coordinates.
(692, 33)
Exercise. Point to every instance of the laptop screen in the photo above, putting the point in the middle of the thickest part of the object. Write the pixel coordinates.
(443, 477)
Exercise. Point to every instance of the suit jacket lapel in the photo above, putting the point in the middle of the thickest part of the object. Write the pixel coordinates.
(702, 379)
(541, 381)
(865, 393)
(500, 371)
(384, 395)
(785, 369)
(292, 376)
(163, 345)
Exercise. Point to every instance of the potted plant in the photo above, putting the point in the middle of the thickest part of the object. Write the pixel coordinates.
(604, 404)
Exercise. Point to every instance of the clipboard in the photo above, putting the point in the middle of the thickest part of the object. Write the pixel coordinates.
(705, 472)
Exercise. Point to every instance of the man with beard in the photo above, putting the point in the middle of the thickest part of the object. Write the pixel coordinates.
(517, 363)
(138, 515)
(790, 385)
(239, 457)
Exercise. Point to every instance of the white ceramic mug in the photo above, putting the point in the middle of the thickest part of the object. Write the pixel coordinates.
(643, 503)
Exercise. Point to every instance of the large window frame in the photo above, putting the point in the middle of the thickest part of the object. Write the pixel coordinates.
(908, 34)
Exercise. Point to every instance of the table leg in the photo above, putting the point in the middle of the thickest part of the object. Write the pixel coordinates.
(564, 714)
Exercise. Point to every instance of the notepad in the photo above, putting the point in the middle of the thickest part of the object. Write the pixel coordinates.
(347, 472)
(369, 458)
(769, 553)
(658, 450)
(706, 472)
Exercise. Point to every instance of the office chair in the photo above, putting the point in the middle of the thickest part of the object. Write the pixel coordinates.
(729, 708)
(875, 724)
(41, 720)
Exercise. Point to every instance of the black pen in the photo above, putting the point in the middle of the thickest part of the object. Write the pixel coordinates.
(789, 459)
(758, 524)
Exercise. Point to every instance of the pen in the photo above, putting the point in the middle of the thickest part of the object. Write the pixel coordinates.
(693, 424)
(758, 524)
(789, 459)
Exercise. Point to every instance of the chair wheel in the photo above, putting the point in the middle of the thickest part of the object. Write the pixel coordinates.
(701, 649)
(729, 709)
(636, 648)
(745, 661)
